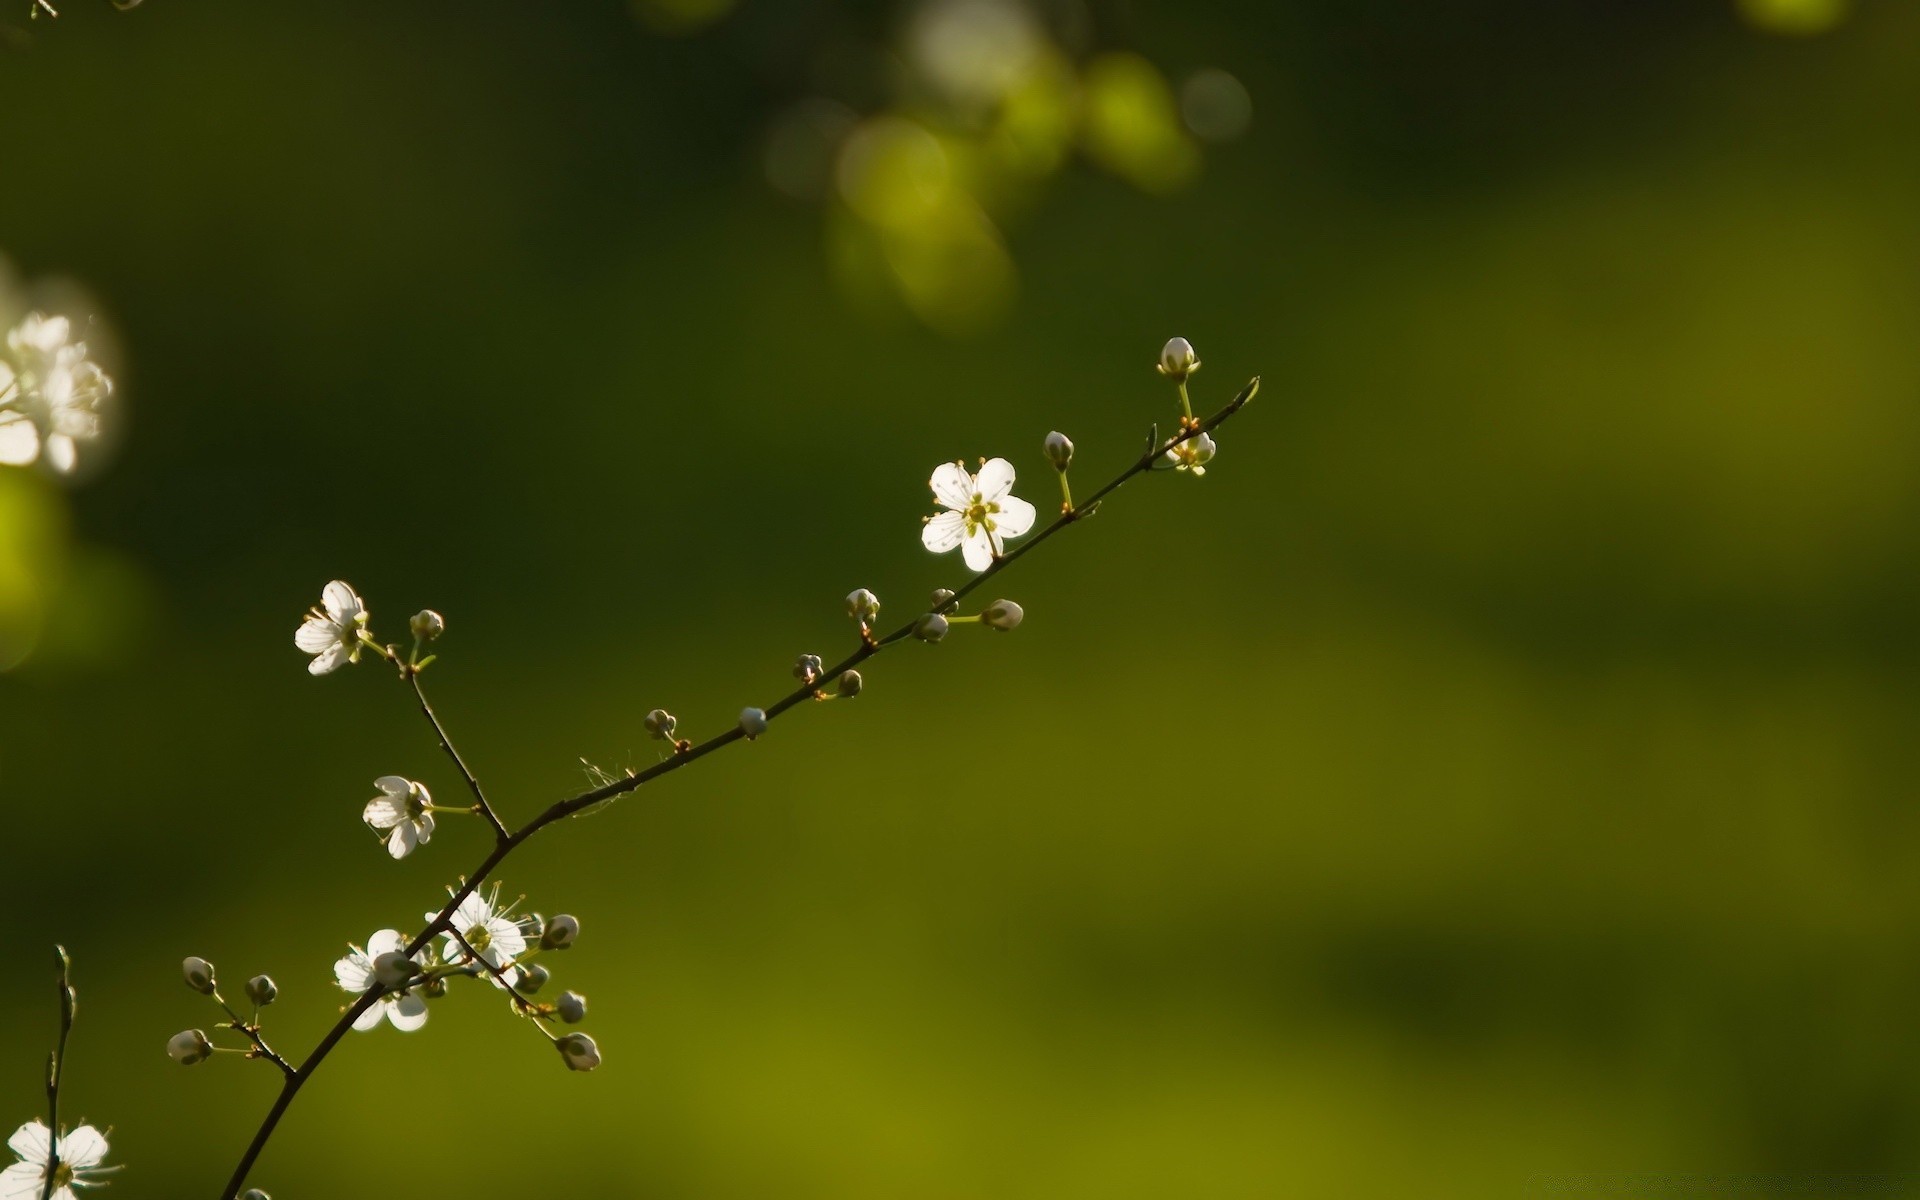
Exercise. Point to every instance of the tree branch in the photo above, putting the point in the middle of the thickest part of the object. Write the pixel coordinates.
(507, 843)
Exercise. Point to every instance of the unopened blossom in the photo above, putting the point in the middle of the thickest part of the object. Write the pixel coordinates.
(81, 1154)
(331, 632)
(189, 1046)
(981, 512)
(1177, 359)
(400, 813)
(51, 396)
(579, 1052)
(354, 973)
(488, 926)
(1193, 454)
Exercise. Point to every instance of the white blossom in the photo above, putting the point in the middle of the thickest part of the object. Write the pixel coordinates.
(981, 512)
(50, 396)
(354, 973)
(81, 1153)
(489, 927)
(331, 632)
(1193, 454)
(400, 812)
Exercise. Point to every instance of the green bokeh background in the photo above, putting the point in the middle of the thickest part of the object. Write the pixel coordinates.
(1499, 764)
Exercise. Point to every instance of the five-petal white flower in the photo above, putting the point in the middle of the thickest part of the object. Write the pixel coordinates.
(400, 812)
(354, 973)
(50, 398)
(331, 632)
(981, 512)
(81, 1153)
(484, 923)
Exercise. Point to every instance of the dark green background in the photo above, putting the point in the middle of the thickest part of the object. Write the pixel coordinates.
(1500, 763)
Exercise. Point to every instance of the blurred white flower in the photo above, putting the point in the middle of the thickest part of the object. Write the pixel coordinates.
(81, 1153)
(50, 395)
(488, 926)
(981, 511)
(400, 812)
(354, 973)
(331, 632)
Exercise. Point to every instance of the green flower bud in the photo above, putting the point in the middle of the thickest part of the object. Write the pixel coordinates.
(198, 973)
(807, 668)
(579, 1052)
(863, 606)
(560, 932)
(850, 684)
(753, 722)
(1002, 615)
(427, 624)
(261, 990)
(1177, 360)
(660, 723)
(189, 1047)
(930, 628)
(940, 599)
(571, 1007)
(533, 977)
(1059, 450)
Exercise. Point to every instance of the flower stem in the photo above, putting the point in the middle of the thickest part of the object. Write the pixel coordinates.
(56, 1066)
(446, 743)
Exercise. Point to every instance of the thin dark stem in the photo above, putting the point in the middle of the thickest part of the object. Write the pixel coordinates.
(56, 1066)
(560, 810)
(446, 743)
(251, 1031)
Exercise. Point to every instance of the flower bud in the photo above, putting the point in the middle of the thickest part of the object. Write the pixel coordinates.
(262, 991)
(254, 1194)
(198, 973)
(560, 932)
(660, 723)
(579, 1052)
(850, 684)
(427, 624)
(394, 970)
(434, 988)
(188, 1047)
(533, 977)
(1177, 360)
(940, 599)
(1059, 450)
(753, 722)
(807, 668)
(1002, 615)
(863, 606)
(930, 628)
(571, 1007)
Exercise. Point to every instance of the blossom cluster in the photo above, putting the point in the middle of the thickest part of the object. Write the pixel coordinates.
(52, 394)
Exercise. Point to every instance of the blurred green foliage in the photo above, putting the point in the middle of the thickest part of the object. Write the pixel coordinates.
(1499, 763)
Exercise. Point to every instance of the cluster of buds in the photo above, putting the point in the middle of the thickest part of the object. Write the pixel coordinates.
(1196, 447)
(191, 1046)
(338, 629)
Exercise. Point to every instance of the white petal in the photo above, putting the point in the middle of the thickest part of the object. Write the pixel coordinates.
(506, 942)
(65, 1193)
(30, 1143)
(952, 486)
(341, 602)
(425, 826)
(1014, 518)
(978, 550)
(61, 455)
(944, 532)
(84, 1147)
(396, 786)
(354, 972)
(403, 839)
(994, 480)
(328, 661)
(19, 440)
(22, 1181)
(316, 634)
(370, 1019)
(408, 1013)
(387, 941)
(383, 812)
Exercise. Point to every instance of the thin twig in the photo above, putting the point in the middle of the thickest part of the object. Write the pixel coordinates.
(56, 1066)
(251, 1031)
(446, 743)
(507, 843)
